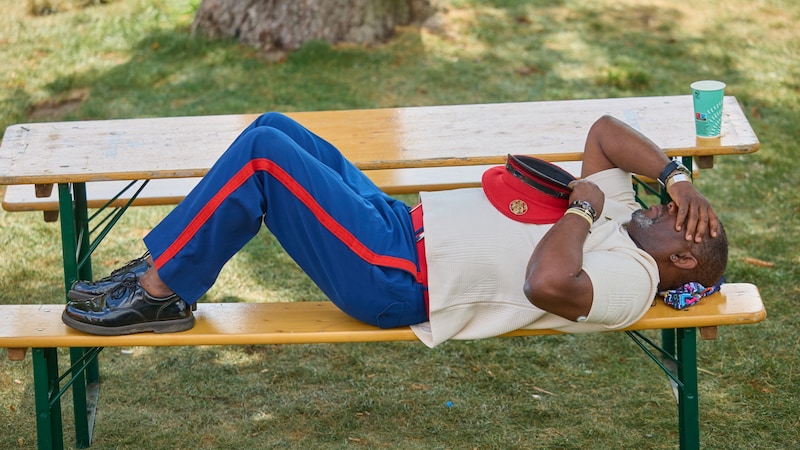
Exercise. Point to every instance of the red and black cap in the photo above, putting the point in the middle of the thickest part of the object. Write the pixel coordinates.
(528, 189)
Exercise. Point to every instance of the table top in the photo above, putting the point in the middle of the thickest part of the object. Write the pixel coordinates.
(427, 136)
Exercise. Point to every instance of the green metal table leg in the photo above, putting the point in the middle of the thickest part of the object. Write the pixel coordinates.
(84, 269)
(48, 414)
(688, 405)
(680, 364)
(75, 245)
(84, 263)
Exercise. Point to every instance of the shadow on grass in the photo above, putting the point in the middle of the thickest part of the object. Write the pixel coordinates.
(523, 53)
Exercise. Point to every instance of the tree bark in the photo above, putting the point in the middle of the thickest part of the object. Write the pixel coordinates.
(282, 25)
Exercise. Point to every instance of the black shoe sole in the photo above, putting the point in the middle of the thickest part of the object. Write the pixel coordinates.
(165, 326)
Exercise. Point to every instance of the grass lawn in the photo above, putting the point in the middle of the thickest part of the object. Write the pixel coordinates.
(136, 58)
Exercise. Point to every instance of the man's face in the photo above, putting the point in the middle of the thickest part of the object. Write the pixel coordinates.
(646, 218)
(654, 227)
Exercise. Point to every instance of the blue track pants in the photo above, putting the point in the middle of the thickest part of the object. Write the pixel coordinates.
(355, 242)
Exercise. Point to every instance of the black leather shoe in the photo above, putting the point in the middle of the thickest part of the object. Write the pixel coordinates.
(128, 308)
(86, 290)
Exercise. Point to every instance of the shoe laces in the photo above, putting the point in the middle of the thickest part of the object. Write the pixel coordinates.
(129, 265)
(122, 287)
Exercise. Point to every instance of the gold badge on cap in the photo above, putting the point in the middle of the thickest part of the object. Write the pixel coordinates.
(518, 207)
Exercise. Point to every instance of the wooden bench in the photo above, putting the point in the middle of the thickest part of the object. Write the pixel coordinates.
(40, 327)
(402, 149)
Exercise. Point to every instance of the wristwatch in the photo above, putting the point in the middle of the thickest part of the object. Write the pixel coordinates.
(585, 206)
(672, 167)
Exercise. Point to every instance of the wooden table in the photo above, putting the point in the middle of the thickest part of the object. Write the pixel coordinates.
(71, 154)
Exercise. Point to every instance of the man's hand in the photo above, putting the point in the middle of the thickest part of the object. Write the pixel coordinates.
(612, 143)
(590, 192)
(695, 211)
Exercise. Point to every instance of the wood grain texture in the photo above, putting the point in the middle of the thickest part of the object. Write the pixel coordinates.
(431, 136)
(27, 326)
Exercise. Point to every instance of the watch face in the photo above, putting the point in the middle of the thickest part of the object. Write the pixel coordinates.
(586, 207)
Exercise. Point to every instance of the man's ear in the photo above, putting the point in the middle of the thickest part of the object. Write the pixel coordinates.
(684, 260)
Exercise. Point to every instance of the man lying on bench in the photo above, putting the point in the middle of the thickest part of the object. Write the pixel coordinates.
(530, 249)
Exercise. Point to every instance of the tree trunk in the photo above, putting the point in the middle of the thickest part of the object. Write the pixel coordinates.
(281, 25)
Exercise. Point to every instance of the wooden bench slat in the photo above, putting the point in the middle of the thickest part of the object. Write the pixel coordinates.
(321, 322)
(157, 192)
(22, 198)
(170, 191)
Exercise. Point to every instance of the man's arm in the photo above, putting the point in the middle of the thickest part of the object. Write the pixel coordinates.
(612, 143)
(555, 280)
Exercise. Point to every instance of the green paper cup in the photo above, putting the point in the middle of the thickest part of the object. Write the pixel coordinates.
(707, 96)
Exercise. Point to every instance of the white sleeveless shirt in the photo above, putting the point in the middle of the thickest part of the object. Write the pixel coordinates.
(477, 259)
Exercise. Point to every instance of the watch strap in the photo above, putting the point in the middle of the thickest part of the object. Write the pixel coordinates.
(671, 167)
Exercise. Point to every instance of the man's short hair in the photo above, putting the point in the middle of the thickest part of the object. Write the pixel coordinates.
(712, 258)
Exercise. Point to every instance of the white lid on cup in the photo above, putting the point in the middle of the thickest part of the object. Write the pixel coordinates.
(708, 85)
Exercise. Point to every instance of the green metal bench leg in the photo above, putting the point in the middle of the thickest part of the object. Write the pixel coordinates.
(48, 413)
(688, 406)
(80, 405)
